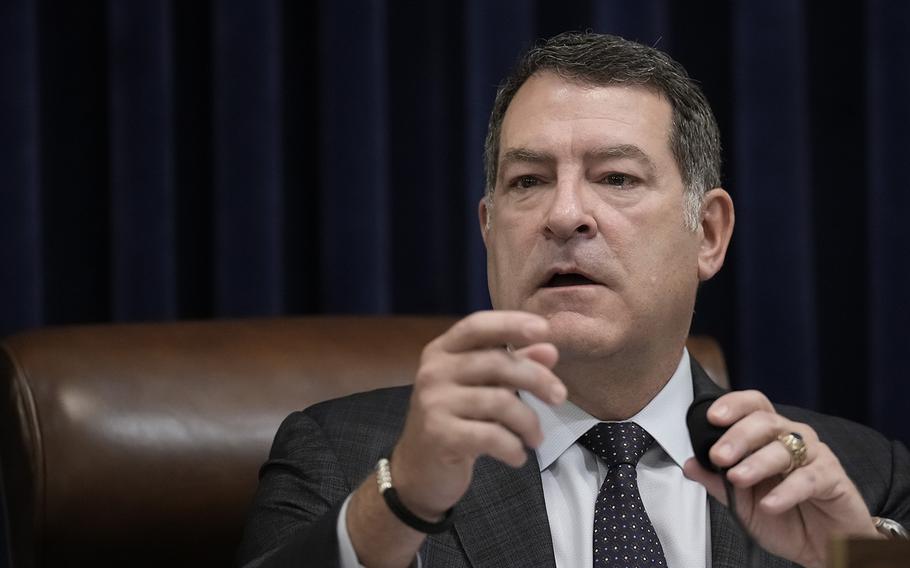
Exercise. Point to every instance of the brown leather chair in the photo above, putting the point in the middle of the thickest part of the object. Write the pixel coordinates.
(139, 445)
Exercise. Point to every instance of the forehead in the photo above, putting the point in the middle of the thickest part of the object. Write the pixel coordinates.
(552, 113)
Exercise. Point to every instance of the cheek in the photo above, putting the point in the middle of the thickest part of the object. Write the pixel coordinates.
(502, 269)
(659, 252)
(511, 263)
(673, 272)
(509, 240)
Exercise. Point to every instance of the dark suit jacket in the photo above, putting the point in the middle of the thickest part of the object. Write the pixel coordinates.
(322, 454)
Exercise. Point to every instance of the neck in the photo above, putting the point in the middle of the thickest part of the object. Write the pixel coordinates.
(619, 386)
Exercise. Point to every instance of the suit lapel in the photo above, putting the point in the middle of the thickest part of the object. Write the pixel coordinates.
(701, 382)
(502, 519)
(728, 546)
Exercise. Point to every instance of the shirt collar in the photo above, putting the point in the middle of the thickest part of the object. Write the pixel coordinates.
(664, 417)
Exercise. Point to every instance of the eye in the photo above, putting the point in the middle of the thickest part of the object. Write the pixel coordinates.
(619, 180)
(524, 182)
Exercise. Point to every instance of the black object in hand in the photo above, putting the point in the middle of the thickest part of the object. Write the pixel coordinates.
(702, 433)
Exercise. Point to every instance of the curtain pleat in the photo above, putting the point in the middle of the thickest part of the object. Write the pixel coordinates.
(248, 157)
(354, 135)
(141, 162)
(888, 263)
(426, 180)
(772, 194)
(72, 42)
(21, 287)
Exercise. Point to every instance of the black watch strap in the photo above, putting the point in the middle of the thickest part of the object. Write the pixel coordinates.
(384, 480)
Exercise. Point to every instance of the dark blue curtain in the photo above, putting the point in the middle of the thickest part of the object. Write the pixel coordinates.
(166, 160)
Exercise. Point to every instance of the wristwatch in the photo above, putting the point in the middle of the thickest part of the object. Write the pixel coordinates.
(384, 480)
(891, 529)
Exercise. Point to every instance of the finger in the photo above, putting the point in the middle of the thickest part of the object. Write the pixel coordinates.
(494, 328)
(500, 405)
(746, 436)
(475, 438)
(497, 367)
(768, 461)
(547, 355)
(803, 484)
(735, 405)
(712, 481)
(544, 353)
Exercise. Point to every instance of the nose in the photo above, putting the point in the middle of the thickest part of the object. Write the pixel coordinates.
(568, 216)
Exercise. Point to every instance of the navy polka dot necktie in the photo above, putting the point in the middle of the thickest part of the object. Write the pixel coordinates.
(623, 533)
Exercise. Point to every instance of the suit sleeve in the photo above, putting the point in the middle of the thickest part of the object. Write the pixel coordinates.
(294, 515)
(897, 504)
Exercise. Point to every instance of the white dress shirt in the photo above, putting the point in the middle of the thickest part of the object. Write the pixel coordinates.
(571, 476)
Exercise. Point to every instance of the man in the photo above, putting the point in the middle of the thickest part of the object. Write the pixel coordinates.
(603, 213)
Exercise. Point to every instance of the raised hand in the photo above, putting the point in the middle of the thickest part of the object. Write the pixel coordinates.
(464, 405)
(792, 514)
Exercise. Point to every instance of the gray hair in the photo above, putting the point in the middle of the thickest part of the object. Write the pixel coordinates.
(602, 60)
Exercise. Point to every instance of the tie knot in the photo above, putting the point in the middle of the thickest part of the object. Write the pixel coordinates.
(617, 442)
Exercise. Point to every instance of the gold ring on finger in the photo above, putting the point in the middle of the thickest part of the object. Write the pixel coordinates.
(796, 446)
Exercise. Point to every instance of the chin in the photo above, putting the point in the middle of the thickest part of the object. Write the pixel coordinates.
(580, 335)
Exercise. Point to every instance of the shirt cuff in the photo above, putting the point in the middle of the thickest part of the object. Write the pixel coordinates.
(345, 547)
(346, 554)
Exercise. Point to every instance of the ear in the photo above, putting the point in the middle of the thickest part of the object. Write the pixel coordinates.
(483, 216)
(716, 229)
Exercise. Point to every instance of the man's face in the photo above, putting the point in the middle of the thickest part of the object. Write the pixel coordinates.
(586, 226)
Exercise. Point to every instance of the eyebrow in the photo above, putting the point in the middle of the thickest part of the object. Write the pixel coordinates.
(526, 155)
(631, 151)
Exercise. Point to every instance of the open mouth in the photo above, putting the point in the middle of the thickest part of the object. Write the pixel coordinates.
(569, 279)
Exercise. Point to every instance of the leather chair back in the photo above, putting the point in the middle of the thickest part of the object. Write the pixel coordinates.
(140, 444)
